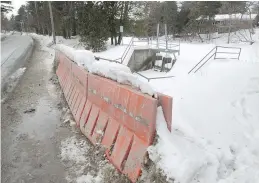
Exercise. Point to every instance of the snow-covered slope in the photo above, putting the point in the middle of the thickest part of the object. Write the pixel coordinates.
(215, 120)
(215, 125)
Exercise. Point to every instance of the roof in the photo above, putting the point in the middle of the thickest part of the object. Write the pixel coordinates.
(232, 16)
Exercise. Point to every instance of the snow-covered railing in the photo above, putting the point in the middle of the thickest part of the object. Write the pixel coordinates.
(101, 58)
(216, 51)
(148, 79)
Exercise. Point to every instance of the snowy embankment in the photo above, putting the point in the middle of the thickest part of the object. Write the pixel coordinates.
(111, 70)
(5, 34)
(15, 51)
(215, 125)
(215, 119)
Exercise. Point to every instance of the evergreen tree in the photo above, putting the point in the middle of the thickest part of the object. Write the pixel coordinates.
(169, 15)
(94, 28)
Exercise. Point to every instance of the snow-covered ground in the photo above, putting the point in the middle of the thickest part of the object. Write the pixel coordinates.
(215, 131)
(215, 118)
(215, 125)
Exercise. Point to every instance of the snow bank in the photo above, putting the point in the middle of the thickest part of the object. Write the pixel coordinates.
(11, 82)
(216, 131)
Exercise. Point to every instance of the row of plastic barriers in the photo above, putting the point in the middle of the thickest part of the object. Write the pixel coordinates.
(120, 118)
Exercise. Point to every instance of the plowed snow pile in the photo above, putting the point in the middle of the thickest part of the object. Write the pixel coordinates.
(215, 125)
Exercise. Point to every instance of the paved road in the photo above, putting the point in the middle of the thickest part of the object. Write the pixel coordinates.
(15, 51)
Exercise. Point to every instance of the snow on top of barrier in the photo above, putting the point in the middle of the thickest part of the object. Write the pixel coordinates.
(121, 74)
(115, 71)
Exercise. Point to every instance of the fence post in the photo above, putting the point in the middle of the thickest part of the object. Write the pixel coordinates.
(215, 53)
(239, 53)
(179, 48)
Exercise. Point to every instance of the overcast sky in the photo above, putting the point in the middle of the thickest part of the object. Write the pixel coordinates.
(16, 4)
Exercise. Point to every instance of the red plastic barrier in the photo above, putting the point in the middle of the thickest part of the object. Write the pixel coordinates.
(122, 120)
(166, 102)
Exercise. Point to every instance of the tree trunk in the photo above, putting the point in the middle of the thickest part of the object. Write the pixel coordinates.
(64, 32)
(43, 32)
(200, 37)
(111, 39)
(229, 31)
(74, 27)
(115, 37)
(37, 16)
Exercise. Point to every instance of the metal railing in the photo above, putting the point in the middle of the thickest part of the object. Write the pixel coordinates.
(110, 60)
(121, 59)
(148, 79)
(150, 44)
(125, 53)
(215, 52)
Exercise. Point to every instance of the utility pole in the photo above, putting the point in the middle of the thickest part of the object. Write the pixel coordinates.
(37, 16)
(52, 23)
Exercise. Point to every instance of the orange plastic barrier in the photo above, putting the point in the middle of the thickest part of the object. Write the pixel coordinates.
(166, 102)
(116, 116)
(64, 70)
(79, 91)
(122, 120)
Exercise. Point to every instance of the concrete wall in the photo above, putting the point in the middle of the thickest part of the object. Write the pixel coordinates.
(141, 58)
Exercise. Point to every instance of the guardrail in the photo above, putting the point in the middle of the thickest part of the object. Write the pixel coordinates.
(215, 52)
(148, 79)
